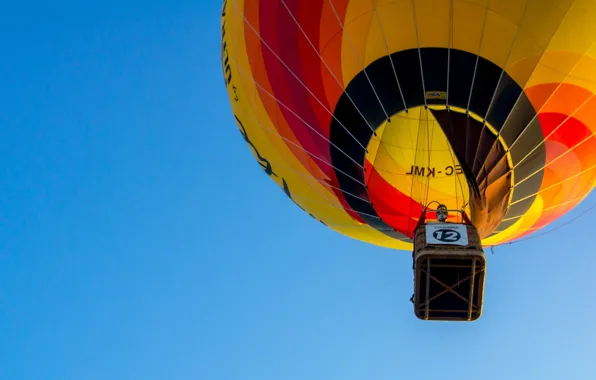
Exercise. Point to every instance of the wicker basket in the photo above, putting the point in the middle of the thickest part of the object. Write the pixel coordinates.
(448, 278)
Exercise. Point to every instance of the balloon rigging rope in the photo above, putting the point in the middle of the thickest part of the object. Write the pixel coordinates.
(381, 146)
(457, 179)
(242, 72)
(357, 57)
(505, 123)
(414, 177)
(555, 184)
(421, 201)
(300, 81)
(533, 118)
(389, 54)
(561, 124)
(583, 213)
(449, 44)
(384, 36)
(550, 163)
(346, 35)
(287, 166)
(308, 174)
(515, 37)
(451, 153)
(494, 96)
(429, 137)
(553, 160)
(478, 56)
(297, 116)
(419, 55)
(424, 116)
(326, 65)
(359, 60)
(522, 93)
(544, 139)
(301, 175)
(575, 200)
(306, 151)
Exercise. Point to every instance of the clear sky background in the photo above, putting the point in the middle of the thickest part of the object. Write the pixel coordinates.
(139, 239)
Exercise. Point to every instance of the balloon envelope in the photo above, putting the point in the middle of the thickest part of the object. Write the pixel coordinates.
(365, 111)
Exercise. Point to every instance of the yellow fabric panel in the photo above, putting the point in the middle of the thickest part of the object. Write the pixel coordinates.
(397, 20)
(498, 38)
(553, 67)
(575, 36)
(468, 22)
(369, 235)
(355, 39)
(512, 10)
(405, 143)
(577, 30)
(482, 3)
(583, 73)
(539, 25)
(501, 38)
(541, 21)
(518, 228)
(391, 29)
(432, 22)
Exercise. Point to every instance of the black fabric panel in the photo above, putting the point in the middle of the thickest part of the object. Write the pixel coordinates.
(434, 64)
(460, 129)
(504, 101)
(472, 143)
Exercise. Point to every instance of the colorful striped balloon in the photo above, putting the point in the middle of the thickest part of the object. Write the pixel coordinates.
(365, 111)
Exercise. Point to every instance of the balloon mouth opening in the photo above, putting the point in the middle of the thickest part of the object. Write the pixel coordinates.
(413, 161)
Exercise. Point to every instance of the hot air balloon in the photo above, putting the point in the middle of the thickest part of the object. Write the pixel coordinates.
(434, 126)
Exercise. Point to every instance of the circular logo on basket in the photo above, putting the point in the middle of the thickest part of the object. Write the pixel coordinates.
(447, 235)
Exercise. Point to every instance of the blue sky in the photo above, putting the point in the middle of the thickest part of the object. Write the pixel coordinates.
(139, 239)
